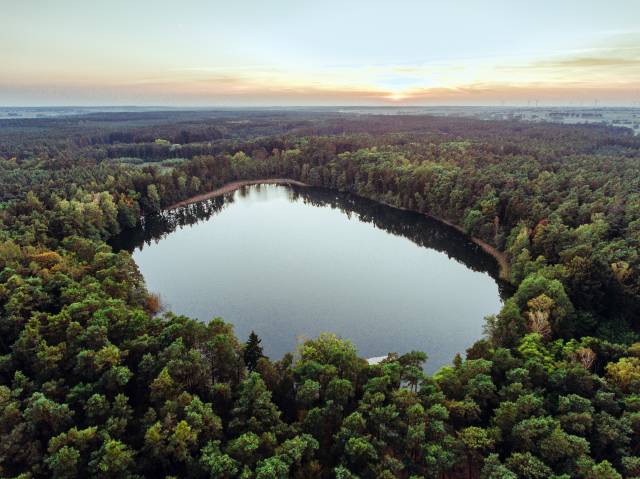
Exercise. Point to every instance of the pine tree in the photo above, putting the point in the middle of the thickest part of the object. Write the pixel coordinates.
(252, 351)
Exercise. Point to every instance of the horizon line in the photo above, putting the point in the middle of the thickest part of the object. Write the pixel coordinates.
(385, 106)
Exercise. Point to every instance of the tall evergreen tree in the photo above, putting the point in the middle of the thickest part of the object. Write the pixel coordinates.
(252, 351)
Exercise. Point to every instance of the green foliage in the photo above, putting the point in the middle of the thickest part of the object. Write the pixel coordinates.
(94, 382)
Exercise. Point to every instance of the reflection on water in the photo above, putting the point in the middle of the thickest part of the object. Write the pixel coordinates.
(289, 261)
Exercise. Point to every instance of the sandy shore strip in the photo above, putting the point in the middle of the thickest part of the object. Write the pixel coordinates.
(235, 185)
(499, 256)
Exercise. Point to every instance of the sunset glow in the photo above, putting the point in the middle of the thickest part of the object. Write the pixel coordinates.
(299, 53)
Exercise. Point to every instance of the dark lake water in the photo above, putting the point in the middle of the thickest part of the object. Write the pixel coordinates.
(294, 262)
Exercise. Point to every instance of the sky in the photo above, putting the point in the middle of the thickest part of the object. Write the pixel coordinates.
(322, 52)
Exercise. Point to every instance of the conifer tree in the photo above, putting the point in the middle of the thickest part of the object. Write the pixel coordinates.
(252, 351)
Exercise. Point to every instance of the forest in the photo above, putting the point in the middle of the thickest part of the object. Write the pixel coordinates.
(97, 380)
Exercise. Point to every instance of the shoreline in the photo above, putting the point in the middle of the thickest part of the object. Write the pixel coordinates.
(233, 186)
(499, 256)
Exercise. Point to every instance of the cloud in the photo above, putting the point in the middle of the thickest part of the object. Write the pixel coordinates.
(609, 72)
(615, 62)
(590, 62)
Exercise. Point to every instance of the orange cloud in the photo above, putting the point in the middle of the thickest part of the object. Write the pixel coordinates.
(611, 75)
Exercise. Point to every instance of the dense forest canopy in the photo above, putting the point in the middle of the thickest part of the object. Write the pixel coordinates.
(95, 381)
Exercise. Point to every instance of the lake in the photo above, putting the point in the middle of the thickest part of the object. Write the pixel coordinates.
(292, 262)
